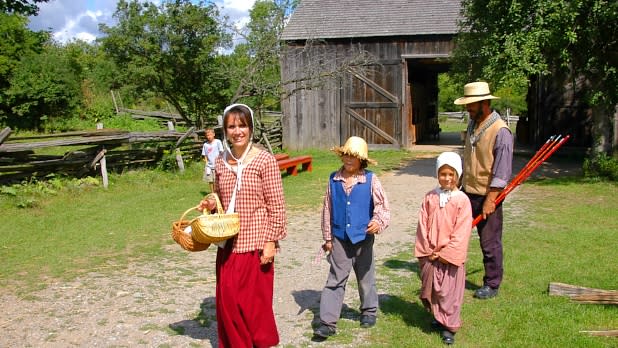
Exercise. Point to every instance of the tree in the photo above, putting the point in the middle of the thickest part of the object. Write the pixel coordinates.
(43, 86)
(255, 63)
(172, 50)
(16, 42)
(510, 42)
(24, 7)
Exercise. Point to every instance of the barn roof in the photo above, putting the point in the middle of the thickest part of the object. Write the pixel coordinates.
(332, 19)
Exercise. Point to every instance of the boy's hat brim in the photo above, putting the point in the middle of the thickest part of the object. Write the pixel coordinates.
(354, 146)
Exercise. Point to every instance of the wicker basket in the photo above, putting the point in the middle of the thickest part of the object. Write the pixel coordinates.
(217, 227)
(184, 239)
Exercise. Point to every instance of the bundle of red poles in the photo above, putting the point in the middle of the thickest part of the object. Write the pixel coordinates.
(551, 145)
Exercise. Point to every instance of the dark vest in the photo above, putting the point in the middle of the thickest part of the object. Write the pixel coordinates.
(351, 214)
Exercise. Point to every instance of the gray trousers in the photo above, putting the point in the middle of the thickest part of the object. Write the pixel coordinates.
(344, 257)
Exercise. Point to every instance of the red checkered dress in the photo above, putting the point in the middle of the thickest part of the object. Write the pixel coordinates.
(259, 202)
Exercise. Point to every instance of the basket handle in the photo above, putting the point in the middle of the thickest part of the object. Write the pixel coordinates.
(182, 217)
(216, 198)
(205, 212)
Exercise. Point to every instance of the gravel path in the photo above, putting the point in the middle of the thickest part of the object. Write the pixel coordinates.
(171, 303)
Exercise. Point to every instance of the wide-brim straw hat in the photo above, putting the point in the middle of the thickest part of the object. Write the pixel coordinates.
(474, 92)
(354, 146)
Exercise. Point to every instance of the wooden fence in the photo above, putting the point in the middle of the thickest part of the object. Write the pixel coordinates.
(93, 153)
(79, 154)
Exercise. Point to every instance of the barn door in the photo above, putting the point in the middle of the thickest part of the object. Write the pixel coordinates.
(372, 106)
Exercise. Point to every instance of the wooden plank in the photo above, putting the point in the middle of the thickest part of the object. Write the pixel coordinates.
(371, 126)
(583, 294)
(562, 289)
(4, 134)
(388, 95)
(185, 136)
(373, 105)
(606, 333)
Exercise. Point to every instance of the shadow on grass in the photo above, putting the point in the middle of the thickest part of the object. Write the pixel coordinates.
(310, 300)
(412, 313)
(202, 327)
(399, 264)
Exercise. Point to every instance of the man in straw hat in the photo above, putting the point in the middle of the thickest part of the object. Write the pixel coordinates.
(355, 209)
(488, 157)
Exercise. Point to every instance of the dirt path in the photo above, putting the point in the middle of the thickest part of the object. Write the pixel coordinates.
(171, 303)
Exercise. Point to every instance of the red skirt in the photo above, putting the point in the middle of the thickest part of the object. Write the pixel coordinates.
(244, 300)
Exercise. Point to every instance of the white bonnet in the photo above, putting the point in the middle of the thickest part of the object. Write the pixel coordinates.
(452, 159)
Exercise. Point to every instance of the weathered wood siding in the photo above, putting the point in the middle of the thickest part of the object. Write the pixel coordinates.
(315, 116)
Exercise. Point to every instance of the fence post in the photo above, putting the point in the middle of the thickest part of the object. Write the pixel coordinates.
(103, 161)
(181, 165)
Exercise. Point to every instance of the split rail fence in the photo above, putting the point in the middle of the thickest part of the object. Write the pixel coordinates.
(88, 153)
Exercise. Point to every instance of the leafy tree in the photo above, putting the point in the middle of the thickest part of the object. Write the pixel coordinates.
(43, 86)
(256, 61)
(510, 42)
(24, 7)
(172, 50)
(16, 42)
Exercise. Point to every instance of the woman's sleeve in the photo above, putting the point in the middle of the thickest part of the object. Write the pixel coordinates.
(274, 200)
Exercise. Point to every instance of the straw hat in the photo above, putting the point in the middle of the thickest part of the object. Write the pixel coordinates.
(474, 92)
(354, 146)
(450, 158)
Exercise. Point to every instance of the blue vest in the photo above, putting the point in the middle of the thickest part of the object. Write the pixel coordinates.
(351, 214)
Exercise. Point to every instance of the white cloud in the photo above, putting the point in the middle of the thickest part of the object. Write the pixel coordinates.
(70, 20)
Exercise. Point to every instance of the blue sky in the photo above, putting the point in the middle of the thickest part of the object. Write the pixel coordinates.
(77, 19)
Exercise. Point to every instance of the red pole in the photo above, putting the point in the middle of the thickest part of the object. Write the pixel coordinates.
(540, 157)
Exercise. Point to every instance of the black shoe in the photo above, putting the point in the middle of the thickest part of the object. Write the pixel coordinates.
(448, 337)
(324, 331)
(367, 321)
(485, 292)
(436, 325)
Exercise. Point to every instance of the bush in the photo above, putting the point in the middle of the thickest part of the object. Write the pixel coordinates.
(602, 166)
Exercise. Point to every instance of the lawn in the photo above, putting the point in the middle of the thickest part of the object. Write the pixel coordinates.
(561, 230)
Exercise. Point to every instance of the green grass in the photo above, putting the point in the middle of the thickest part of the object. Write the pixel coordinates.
(555, 231)
(567, 234)
(62, 228)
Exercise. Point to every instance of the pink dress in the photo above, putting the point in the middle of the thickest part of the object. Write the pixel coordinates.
(446, 232)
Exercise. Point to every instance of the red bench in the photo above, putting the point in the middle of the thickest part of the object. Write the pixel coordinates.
(281, 156)
(291, 164)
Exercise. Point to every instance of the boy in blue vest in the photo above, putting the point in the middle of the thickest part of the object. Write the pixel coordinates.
(355, 210)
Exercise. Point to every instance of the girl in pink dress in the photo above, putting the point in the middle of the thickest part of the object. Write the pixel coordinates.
(442, 236)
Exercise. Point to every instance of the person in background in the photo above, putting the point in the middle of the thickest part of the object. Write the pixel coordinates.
(355, 210)
(442, 236)
(210, 150)
(249, 183)
(488, 159)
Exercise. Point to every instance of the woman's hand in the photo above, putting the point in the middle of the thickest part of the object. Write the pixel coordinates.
(207, 204)
(268, 253)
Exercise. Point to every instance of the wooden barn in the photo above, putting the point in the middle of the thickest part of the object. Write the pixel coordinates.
(366, 68)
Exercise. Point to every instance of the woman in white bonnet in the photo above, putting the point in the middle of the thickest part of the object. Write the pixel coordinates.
(249, 183)
(442, 236)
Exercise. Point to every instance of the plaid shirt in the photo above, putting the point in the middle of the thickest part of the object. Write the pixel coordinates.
(381, 207)
(259, 203)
